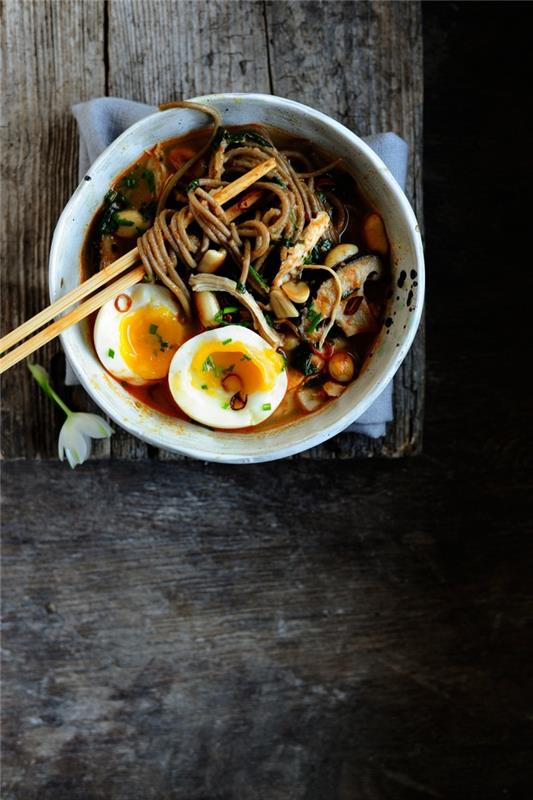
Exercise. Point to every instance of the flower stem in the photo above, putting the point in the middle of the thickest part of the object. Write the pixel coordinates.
(41, 376)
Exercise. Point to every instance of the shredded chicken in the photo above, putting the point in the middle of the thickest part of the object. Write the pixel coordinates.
(352, 317)
(296, 254)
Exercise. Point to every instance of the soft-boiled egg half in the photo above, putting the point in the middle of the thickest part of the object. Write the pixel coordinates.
(138, 332)
(228, 378)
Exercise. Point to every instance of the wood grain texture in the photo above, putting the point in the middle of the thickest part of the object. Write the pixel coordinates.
(53, 57)
(216, 46)
(172, 635)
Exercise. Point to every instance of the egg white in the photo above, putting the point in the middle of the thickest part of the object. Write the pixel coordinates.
(107, 327)
(207, 407)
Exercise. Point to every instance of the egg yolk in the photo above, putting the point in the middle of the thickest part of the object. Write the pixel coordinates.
(257, 370)
(149, 338)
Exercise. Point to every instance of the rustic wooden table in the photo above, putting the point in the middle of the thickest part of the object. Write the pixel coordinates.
(302, 630)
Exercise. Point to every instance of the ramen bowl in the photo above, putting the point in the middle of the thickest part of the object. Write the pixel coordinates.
(401, 318)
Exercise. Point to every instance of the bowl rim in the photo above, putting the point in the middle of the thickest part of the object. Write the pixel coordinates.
(378, 382)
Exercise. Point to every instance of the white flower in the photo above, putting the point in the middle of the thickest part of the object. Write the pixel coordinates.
(78, 429)
(76, 434)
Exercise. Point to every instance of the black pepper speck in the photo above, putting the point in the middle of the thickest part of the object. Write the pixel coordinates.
(413, 274)
(409, 297)
(401, 279)
(388, 322)
(87, 178)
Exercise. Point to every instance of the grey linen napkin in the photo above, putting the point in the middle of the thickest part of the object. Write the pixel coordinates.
(101, 120)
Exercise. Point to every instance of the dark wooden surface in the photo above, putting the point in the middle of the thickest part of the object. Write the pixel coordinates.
(356, 630)
(359, 62)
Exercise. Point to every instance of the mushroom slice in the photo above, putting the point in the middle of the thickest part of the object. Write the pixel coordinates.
(215, 283)
(296, 254)
(354, 314)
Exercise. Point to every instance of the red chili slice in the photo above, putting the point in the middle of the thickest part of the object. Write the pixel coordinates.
(353, 305)
(232, 383)
(238, 401)
(123, 302)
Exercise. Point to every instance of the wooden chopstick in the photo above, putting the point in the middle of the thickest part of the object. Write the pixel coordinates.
(129, 259)
(77, 294)
(77, 314)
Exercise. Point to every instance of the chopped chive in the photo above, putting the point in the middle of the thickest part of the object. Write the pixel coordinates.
(246, 357)
(314, 318)
(267, 407)
(194, 184)
(208, 364)
(152, 328)
(111, 353)
(227, 341)
(225, 405)
(204, 385)
(259, 278)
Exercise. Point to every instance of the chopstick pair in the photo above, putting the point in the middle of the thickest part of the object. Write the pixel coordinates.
(109, 273)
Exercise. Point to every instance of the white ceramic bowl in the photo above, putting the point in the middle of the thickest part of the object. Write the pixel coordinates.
(392, 343)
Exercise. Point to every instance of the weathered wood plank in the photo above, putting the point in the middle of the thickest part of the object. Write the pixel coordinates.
(189, 632)
(361, 63)
(214, 45)
(53, 57)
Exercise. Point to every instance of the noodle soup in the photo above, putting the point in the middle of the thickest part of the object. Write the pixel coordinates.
(253, 313)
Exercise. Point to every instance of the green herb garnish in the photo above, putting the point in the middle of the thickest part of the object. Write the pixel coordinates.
(204, 385)
(208, 364)
(227, 341)
(111, 353)
(239, 137)
(267, 407)
(246, 357)
(219, 316)
(278, 181)
(318, 252)
(121, 221)
(152, 328)
(241, 288)
(225, 405)
(259, 278)
(314, 318)
(285, 241)
(194, 184)
(302, 359)
(149, 177)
